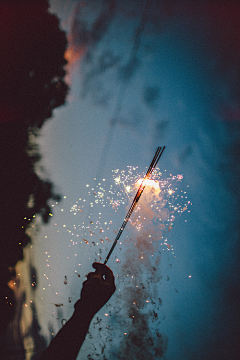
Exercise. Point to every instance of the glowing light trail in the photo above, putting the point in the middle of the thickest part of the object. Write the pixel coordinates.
(137, 197)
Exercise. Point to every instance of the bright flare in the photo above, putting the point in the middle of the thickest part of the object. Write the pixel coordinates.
(150, 183)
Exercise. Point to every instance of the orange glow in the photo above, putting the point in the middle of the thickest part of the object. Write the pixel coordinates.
(72, 54)
(11, 284)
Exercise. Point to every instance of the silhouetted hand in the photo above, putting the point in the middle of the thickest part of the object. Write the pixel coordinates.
(98, 288)
(96, 291)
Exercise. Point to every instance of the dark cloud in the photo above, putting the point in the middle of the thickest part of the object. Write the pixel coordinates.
(127, 71)
(85, 33)
(151, 94)
(92, 82)
(160, 129)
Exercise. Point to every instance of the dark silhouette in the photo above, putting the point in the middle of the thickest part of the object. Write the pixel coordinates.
(96, 291)
(32, 70)
(32, 62)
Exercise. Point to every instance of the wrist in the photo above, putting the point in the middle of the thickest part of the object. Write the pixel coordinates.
(83, 311)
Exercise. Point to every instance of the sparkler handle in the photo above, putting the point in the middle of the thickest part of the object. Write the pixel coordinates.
(136, 198)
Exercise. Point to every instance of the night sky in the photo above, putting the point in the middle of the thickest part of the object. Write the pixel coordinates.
(144, 74)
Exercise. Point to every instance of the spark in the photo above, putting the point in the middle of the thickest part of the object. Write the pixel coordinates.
(153, 218)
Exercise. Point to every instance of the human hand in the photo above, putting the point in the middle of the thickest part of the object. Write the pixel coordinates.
(98, 288)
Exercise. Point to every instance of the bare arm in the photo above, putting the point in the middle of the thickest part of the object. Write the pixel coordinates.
(96, 291)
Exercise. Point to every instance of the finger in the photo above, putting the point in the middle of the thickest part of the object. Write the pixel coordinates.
(91, 275)
(104, 270)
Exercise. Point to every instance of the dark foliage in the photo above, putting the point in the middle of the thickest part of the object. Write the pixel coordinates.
(32, 48)
(31, 62)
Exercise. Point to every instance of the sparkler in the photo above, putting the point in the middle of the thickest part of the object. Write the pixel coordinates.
(136, 198)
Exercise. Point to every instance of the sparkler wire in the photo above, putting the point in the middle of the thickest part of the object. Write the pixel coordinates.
(136, 198)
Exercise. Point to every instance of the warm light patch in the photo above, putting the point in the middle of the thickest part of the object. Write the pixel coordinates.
(73, 54)
(11, 284)
(150, 184)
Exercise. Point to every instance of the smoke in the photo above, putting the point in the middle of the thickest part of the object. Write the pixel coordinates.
(130, 325)
(139, 297)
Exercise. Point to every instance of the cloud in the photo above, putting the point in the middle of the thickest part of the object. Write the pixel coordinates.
(90, 21)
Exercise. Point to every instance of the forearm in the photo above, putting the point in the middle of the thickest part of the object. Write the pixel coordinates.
(69, 339)
(96, 291)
